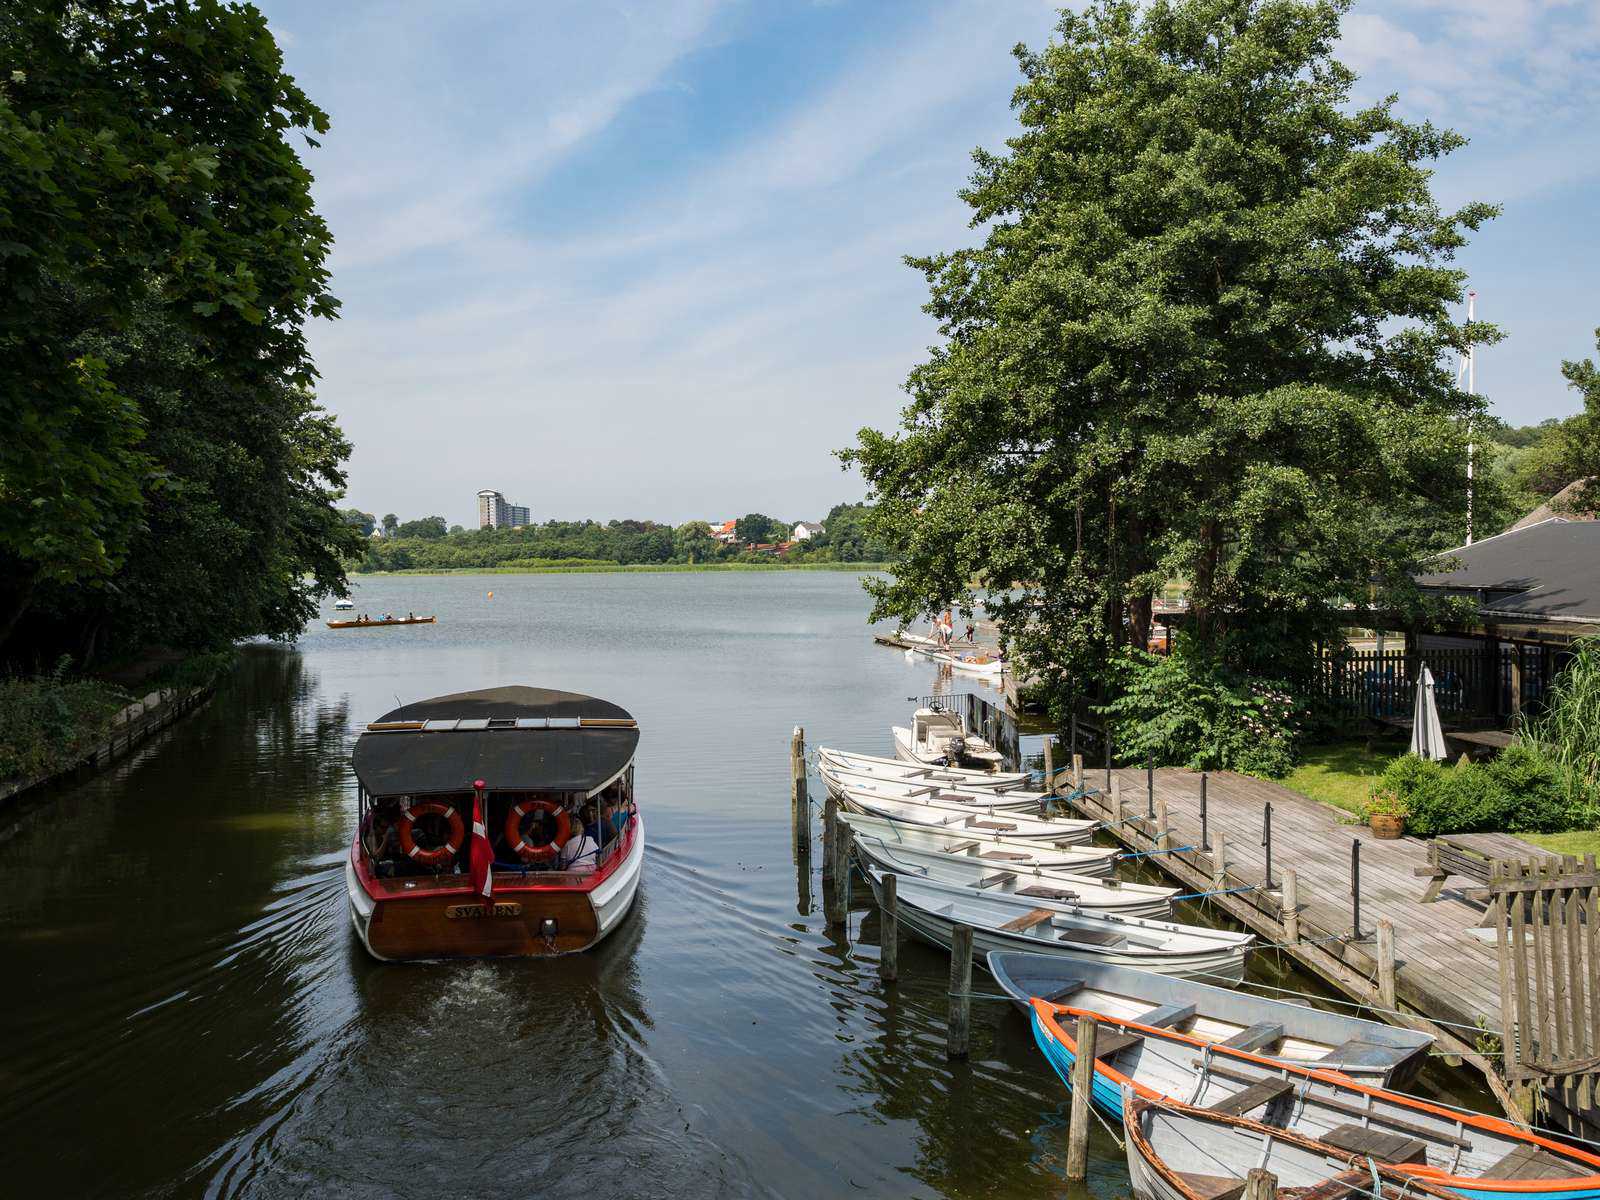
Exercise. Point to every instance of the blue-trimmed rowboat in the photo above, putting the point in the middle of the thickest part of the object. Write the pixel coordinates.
(1476, 1156)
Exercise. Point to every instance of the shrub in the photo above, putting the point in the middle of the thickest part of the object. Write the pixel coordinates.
(47, 723)
(1186, 709)
(1522, 791)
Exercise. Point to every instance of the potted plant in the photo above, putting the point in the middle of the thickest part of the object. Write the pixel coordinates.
(1386, 813)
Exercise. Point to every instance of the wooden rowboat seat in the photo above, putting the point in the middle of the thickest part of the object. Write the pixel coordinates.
(1006, 856)
(1167, 1016)
(1028, 920)
(1002, 826)
(1355, 1182)
(1258, 1094)
(1212, 1187)
(1357, 1053)
(1256, 1037)
(1092, 937)
(1531, 1162)
(1375, 1144)
(1040, 892)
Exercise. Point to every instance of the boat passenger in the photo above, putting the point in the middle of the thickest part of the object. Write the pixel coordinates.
(580, 853)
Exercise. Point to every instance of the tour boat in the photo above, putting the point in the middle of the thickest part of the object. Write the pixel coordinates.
(1312, 1037)
(996, 848)
(940, 738)
(932, 911)
(370, 622)
(497, 822)
(1474, 1155)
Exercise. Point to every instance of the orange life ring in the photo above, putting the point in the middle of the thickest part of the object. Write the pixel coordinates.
(526, 850)
(438, 856)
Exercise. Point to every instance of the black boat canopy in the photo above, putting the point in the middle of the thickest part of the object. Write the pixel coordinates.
(512, 738)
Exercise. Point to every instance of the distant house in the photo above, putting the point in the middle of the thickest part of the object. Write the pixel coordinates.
(727, 531)
(776, 548)
(1559, 505)
(805, 529)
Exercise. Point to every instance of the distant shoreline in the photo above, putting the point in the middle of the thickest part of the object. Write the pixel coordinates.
(640, 568)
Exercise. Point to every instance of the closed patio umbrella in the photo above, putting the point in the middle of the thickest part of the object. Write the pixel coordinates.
(1427, 737)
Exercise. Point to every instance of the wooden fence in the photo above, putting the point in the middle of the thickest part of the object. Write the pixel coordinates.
(1546, 916)
(1486, 683)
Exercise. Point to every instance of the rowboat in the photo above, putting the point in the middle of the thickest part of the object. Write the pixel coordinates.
(1048, 889)
(1365, 1050)
(1017, 800)
(1093, 861)
(968, 818)
(1473, 1155)
(899, 768)
(941, 738)
(973, 662)
(497, 822)
(1176, 1152)
(933, 910)
(371, 622)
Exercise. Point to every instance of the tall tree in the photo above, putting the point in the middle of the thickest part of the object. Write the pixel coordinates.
(755, 527)
(1205, 338)
(149, 190)
(1580, 441)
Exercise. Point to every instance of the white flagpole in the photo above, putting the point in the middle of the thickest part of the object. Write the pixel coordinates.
(1471, 360)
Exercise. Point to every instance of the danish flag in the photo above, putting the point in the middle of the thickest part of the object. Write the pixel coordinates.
(480, 855)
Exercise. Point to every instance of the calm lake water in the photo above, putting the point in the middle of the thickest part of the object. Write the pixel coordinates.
(188, 1013)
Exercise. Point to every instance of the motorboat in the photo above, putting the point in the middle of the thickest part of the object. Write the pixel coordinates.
(344, 605)
(999, 922)
(1380, 1054)
(1472, 1154)
(938, 737)
(495, 822)
(996, 848)
(1047, 888)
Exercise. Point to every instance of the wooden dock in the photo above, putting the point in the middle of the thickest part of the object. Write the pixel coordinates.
(1442, 974)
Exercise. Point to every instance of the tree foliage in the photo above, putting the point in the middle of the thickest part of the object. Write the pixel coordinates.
(165, 472)
(1205, 338)
(1580, 444)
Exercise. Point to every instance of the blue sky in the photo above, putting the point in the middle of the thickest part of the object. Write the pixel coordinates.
(645, 259)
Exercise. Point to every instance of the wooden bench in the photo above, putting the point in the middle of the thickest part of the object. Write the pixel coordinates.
(1447, 857)
(1028, 920)
(1092, 937)
(1167, 1016)
(1256, 1037)
(1480, 743)
(995, 880)
(1039, 892)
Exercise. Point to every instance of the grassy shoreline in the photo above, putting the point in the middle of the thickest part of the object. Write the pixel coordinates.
(634, 568)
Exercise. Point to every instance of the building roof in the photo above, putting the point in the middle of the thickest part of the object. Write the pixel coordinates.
(1545, 572)
(1557, 506)
(808, 524)
(512, 738)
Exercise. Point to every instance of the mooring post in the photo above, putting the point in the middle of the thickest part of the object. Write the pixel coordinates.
(1161, 822)
(841, 857)
(955, 1045)
(1116, 800)
(1355, 888)
(1219, 860)
(1077, 771)
(1150, 786)
(1082, 1089)
(1386, 984)
(1291, 906)
(1074, 728)
(1049, 764)
(1108, 755)
(1266, 839)
(889, 931)
(1260, 1184)
(799, 798)
(830, 837)
(1205, 835)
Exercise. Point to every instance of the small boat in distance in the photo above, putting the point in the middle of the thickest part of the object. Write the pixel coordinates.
(371, 622)
(498, 822)
(344, 605)
(1365, 1050)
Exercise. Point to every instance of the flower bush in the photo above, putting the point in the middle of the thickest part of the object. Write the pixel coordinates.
(1187, 709)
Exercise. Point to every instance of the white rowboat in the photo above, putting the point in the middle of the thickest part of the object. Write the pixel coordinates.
(993, 848)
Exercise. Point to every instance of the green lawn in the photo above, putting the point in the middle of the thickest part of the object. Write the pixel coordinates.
(1577, 841)
(1339, 774)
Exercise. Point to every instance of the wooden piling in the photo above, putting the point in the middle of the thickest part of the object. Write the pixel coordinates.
(1077, 772)
(830, 838)
(1219, 859)
(835, 873)
(889, 931)
(1082, 1089)
(1162, 828)
(1291, 906)
(1049, 764)
(957, 1032)
(1386, 988)
(798, 795)
(1260, 1184)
